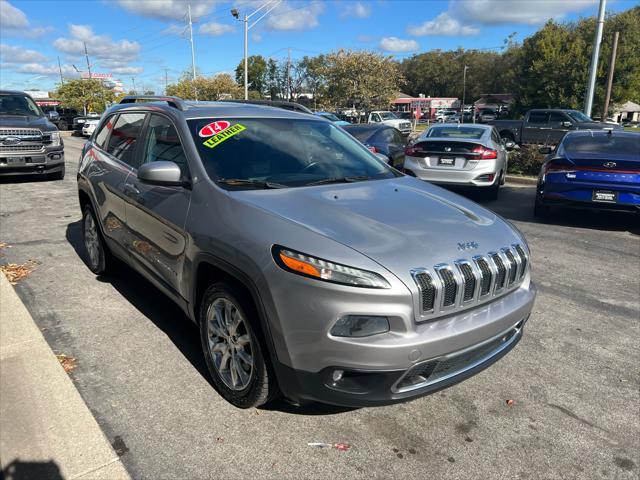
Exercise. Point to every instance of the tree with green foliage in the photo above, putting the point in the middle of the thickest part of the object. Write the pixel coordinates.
(85, 94)
(256, 67)
(363, 79)
(217, 87)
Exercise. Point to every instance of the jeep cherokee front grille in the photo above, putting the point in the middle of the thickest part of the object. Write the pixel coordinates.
(466, 283)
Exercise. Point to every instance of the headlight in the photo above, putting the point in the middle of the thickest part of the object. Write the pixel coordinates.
(55, 139)
(320, 269)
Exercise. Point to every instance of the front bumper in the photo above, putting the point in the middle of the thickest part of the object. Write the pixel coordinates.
(49, 161)
(483, 173)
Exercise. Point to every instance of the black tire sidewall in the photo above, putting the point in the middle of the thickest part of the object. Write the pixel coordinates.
(256, 393)
(101, 267)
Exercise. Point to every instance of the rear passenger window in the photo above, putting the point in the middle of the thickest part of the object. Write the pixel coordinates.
(124, 137)
(163, 143)
(538, 117)
(102, 135)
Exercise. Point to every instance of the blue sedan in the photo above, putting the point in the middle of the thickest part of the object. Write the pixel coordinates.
(591, 169)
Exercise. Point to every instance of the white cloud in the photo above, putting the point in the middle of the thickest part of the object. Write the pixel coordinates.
(14, 22)
(295, 17)
(12, 17)
(395, 44)
(168, 9)
(256, 37)
(11, 54)
(43, 69)
(101, 47)
(443, 25)
(215, 29)
(357, 9)
(127, 70)
(531, 12)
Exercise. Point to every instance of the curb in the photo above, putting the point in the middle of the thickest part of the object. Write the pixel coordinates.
(46, 429)
(522, 180)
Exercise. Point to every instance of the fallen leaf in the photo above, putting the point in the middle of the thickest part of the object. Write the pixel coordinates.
(16, 272)
(68, 363)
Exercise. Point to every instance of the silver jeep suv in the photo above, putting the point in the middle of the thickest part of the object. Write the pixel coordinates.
(313, 269)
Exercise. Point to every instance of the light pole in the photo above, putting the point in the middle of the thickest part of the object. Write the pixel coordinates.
(236, 14)
(464, 92)
(588, 102)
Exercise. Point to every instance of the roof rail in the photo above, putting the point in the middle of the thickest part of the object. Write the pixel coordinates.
(175, 102)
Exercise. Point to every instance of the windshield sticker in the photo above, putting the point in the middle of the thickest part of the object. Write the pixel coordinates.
(213, 128)
(222, 136)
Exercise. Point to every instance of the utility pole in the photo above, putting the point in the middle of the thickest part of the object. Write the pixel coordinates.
(612, 67)
(133, 80)
(588, 103)
(86, 55)
(193, 53)
(289, 76)
(464, 92)
(236, 14)
(60, 70)
(166, 80)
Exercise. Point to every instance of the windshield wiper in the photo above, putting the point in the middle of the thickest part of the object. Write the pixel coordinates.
(245, 182)
(325, 181)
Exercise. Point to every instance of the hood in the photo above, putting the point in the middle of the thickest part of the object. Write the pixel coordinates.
(400, 223)
(20, 121)
(395, 121)
(597, 126)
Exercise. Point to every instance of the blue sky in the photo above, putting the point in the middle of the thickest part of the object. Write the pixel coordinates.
(142, 38)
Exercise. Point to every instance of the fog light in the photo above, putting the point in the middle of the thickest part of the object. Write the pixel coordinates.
(360, 326)
(336, 376)
(486, 178)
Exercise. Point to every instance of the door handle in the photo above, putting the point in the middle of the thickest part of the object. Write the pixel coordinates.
(131, 189)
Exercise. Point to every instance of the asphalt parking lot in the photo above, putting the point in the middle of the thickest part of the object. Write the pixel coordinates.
(574, 378)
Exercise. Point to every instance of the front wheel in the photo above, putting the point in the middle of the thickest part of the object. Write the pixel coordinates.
(232, 349)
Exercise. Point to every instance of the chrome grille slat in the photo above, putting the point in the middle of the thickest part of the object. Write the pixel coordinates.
(21, 148)
(20, 132)
(30, 140)
(464, 283)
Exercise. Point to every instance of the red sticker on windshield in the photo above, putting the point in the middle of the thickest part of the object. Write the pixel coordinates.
(213, 128)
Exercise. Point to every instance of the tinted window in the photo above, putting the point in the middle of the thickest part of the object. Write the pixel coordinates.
(538, 117)
(495, 136)
(602, 145)
(556, 118)
(103, 133)
(163, 143)
(11, 104)
(292, 152)
(124, 137)
(456, 132)
(385, 136)
(578, 116)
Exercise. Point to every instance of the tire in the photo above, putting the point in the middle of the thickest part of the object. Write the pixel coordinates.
(507, 135)
(62, 125)
(57, 176)
(97, 255)
(540, 210)
(492, 192)
(227, 348)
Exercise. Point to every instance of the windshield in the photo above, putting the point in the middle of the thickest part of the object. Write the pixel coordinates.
(602, 145)
(456, 132)
(387, 116)
(578, 116)
(286, 152)
(18, 105)
(329, 116)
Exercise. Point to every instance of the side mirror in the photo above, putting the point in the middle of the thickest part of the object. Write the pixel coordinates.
(566, 124)
(545, 150)
(53, 115)
(509, 145)
(161, 173)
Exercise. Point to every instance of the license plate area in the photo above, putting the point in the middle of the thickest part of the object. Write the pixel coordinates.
(605, 196)
(446, 162)
(16, 160)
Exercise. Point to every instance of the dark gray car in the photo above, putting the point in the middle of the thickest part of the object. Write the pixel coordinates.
(281, 236)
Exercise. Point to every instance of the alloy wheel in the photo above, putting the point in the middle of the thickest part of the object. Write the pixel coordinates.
(91, 241)
(229, 344)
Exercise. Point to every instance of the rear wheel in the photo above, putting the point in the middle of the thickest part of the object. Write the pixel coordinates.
(491, 193)
(232, 348)
(98, 258)
(540, 210)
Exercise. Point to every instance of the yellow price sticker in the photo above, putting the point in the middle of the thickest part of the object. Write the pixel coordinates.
(222, 136)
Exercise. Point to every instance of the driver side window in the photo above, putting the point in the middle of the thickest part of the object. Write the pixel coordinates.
(163, 143)
(375, 117)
